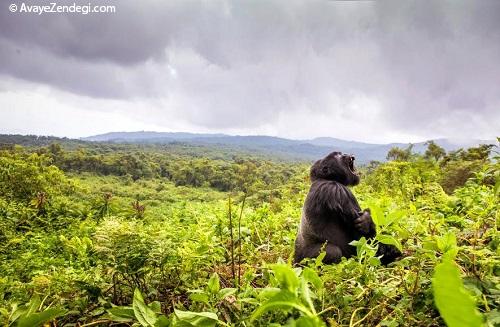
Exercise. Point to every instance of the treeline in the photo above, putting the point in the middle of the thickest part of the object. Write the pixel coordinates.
(237, 174)
(225, 169)
(451, 169)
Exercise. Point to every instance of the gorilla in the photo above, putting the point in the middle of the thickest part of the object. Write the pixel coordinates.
(332, 218)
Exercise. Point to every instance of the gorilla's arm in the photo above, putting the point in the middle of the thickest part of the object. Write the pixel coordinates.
(365, 225)
(388, 252)
(339, 200)
(342, 200)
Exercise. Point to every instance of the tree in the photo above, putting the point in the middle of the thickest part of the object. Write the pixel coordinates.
(399, 154)
(482, 152)
(434, 151)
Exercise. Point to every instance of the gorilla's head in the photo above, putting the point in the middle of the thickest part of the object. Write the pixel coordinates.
(336, 167)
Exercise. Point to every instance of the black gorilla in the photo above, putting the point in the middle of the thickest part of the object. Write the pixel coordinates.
(331, 217)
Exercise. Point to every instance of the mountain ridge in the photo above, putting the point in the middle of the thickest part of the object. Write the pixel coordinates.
(307, 149)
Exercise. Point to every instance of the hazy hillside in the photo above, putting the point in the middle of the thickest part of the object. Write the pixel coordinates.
(288, 148)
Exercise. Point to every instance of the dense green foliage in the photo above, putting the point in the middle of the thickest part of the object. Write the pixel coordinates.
(107, 234)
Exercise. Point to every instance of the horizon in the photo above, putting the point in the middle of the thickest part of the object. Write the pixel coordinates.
(455, 141)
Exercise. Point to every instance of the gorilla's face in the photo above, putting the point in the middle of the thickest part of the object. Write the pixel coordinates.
(336, 167)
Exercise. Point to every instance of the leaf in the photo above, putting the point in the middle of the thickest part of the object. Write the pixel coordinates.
(284, 300)
(447, 244)
(33, 305)
(362, 246)
(305, 293)
(268, 293)
(286, 277)
(392, 217)
(37, 319)
(493, 317)
(16, 312)
(312, 277)
(454, 303)
(162, 322)
(214, 284)
(121, 314)
(309, 322)
(202, 319)
(225, 292)
(390, 240)
(199, 297)
(319, 260)
(377, 214)
(143, 313)
(374, 261)
(155, 306)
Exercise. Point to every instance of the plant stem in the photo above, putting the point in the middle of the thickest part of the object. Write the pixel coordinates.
(233, 271)
(239, 240)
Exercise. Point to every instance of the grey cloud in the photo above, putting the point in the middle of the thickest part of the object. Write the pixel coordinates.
(245, 63)
(129, 36)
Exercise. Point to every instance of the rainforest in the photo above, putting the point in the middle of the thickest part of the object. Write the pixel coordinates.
(104, 234)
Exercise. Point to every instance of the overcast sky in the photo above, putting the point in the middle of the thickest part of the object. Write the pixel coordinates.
(368, 71)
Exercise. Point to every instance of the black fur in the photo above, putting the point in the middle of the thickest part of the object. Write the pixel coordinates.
(331, 217)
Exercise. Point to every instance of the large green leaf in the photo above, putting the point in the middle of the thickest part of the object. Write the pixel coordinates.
(284, 300)
(17, 311)
(121, 314)
(305, 293)
(377, 214)
(155, 306)
(391, 217)
(214, 284)
(389, 239)
(312, 277)
(37, 319)
(162, 322)
(143, 313)
(201, 297)
(305, 321)
(447, 244)
(199, 319)
(286, 276)
(33, 305)
(454, 303)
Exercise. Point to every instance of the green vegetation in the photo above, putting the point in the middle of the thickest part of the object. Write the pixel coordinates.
(106, 235)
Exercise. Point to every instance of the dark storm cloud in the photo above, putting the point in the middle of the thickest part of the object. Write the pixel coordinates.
(433, 66)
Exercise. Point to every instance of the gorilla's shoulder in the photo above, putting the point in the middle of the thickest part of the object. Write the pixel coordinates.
(330, 188)
(330, 195)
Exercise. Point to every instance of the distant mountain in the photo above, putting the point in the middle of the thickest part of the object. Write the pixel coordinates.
(145, 136)
(330, 141)
(296, 149)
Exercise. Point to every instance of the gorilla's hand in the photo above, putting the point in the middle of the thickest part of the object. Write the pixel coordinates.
(364, 224)
(388, 252)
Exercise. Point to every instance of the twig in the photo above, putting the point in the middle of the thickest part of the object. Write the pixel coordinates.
(239, 240)
(233, 271)
(354, 314)
(94, 323)
(326, 310)
(366, 316)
